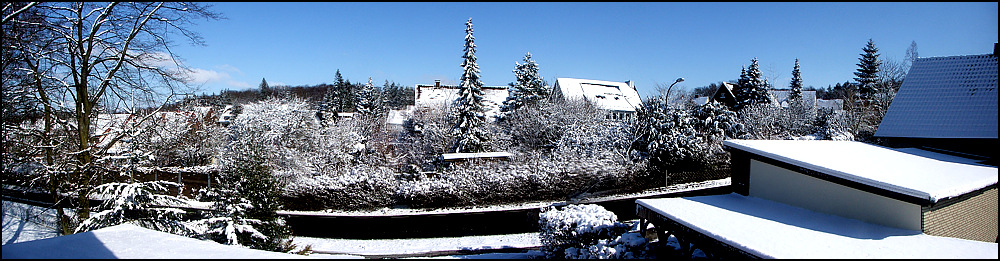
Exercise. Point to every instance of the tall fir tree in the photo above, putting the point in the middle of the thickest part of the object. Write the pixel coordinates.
(868, 68)
(796, 84)
(265, 90)
(529, 87)
(469, 110)
(753, 88)
(369, 100)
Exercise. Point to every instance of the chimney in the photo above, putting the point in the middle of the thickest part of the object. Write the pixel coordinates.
(630, 84)
(437, 83)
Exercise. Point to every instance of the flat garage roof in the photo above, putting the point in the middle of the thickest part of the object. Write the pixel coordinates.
(769, 229)
(876, 166)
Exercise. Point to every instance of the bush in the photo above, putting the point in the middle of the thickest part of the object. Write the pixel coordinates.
(586, 232)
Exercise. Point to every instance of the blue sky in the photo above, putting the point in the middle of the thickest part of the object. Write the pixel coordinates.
(649, 43)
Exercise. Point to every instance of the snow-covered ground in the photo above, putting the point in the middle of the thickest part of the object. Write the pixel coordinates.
(24, 223)
(381, 247)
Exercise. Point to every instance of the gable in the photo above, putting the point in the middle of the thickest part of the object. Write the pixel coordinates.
(945, 97)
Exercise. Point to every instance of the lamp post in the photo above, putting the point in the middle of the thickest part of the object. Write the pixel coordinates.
(672, 86)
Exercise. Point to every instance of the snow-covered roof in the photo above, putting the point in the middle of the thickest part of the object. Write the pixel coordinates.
(781, 97)
(432, 95)
(132, 242)
(770, 229)
(836, 104)
(615, 96)
(875, 166)
(945, 97)
(397, 117)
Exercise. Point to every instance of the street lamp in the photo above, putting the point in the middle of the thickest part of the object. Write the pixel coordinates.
(672, 86)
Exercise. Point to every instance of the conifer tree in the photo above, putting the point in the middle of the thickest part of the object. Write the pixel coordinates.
(469, 110)
(246, 201)
(796, 84)
(868, 68)
(368, 100)
(265, 90)
(529, 87)
(753, 88)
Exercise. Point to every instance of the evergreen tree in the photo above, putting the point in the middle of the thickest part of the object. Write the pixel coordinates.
(529, 87)
(140, 204)
(868, 68)
(265, 90)
(369, 100)
(752, 89)
(246, 201)
(796, 84)
(469, 110)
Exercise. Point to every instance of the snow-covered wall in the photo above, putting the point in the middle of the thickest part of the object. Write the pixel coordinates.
(778, 184)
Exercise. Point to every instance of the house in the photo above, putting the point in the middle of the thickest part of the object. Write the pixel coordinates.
(783, 98)
(724, 95)
(428, 96)
(619, 98)
(947, 104)
(834, 104)
(855, 201)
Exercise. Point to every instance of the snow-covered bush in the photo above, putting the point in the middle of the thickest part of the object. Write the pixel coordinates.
(541, 124)
(359, 187)
(833, 125)
(587, 232)
(137, 204)
(185, 138)
(668, 136)
(771, 122)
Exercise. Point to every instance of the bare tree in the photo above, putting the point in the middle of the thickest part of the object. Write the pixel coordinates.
(100, 58)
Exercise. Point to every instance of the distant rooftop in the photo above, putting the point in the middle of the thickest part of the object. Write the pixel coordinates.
(945, 97)
(615, 96)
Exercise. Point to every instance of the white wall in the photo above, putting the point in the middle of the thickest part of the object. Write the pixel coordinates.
(778, 184)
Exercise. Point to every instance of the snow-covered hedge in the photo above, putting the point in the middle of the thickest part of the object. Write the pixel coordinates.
(588, 232)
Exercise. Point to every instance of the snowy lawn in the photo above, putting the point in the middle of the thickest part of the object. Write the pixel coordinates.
(23, 222)
(130, 241)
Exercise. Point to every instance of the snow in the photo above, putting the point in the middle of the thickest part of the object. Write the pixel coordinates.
(23, 222)
(585, 199)
(444, 95)
(781, 97)
(418, 245)
(875, 166)
(773, 230)
(130, 241)
(456, 156)
(835, 104)
(616, 96)
(945, 97)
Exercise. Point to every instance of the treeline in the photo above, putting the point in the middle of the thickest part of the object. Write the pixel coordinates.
(341, 96)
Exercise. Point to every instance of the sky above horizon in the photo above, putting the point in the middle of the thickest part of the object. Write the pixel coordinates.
(305, 43)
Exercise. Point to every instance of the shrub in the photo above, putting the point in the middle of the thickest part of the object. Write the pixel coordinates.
(587, 231)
